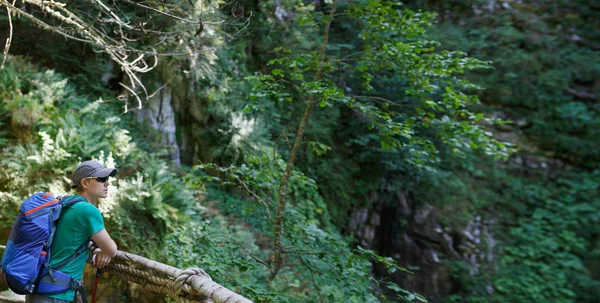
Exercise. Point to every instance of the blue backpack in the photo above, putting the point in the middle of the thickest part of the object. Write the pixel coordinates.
(25, 262)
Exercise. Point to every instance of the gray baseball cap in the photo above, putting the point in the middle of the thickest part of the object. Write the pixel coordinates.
(91, 169)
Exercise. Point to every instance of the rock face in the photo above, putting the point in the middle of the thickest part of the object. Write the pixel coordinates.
(412, 235)
(158, 112)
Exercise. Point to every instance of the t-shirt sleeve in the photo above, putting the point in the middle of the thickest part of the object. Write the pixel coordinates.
(90, 219)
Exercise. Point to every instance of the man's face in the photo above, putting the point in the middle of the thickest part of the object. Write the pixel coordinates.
(96, 187)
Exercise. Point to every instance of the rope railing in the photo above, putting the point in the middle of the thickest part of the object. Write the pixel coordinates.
(184, 286)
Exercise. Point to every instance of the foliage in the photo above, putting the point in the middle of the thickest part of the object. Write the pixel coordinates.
(429, 79)
(320, 265)
(541, 74)
(544, 199)
(545, 227)
(299, 77)
(397, 113)
(70, 128)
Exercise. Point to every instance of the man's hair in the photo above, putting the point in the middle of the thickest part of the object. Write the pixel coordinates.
(78, 188)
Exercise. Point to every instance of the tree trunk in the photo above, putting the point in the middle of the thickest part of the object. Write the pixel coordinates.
(276, 257)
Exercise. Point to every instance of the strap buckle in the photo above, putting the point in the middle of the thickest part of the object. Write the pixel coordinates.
(74, 284)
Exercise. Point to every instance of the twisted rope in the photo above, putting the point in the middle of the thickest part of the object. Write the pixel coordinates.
(176, 289)
(191, 285)
(198, 281)
(136, 276)
(11, 300)
(183, 280)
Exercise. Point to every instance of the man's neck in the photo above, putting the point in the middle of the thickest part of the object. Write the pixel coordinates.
(90, 199)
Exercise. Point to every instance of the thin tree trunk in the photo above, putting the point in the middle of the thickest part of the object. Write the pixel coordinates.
(276, 257)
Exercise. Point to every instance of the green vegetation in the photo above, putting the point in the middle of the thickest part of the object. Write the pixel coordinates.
(293, 117)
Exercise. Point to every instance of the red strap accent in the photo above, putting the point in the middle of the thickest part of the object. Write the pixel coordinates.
(40, 207)
(43, 253)
(46, 195)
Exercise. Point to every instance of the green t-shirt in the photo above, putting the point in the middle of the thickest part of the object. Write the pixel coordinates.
(77, 223)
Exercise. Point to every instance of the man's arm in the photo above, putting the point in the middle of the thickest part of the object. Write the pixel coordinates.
(105, 242)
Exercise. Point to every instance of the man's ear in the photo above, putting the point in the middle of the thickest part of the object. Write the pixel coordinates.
(83, 183)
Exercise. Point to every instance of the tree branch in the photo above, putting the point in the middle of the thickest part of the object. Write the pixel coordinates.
(9, 39)
(582, 94)
(248, 252)
(115, 43)
(276, 257)
(312, 278)
(255, 196)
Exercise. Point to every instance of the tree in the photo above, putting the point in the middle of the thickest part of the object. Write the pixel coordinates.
(432, 100)
(134, 35)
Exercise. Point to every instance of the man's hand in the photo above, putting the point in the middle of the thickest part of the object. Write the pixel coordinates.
(100, 259)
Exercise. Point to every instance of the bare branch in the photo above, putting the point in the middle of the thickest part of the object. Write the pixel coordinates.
(9, 39)
(44, 25)
(582, 94)
(158, 90)
(130, 90)
(173, 16)
(111, 31)
(107, 10)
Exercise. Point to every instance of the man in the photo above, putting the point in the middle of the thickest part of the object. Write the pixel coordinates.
(79, 222)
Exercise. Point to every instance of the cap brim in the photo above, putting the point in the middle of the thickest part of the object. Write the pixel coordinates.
(106, 172)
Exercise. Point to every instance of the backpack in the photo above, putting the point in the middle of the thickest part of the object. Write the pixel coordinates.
(24, 265)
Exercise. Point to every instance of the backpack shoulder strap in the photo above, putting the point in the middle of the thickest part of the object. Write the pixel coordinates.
(70, 201)
(81, 247)
(72, 257)
(63, 204)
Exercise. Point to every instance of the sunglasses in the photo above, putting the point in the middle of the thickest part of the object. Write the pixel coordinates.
(99, 179)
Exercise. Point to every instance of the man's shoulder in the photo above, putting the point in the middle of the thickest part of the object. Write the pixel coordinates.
(82, 206)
